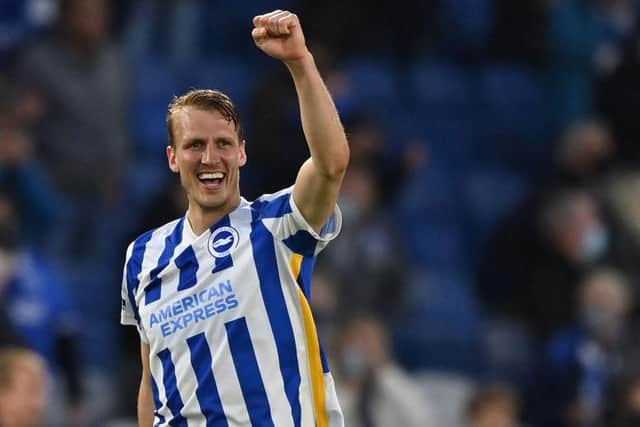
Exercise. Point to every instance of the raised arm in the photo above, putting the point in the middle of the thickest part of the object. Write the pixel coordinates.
(317, 186)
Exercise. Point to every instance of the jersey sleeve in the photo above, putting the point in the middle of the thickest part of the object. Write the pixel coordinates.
(281, 215)
(127, 313)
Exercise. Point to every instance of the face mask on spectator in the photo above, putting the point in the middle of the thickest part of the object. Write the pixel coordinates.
(601, 323)
(354, 362)
(594, 244)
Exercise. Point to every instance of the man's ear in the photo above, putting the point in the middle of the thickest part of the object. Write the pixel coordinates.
(243, 154)
(171, 159)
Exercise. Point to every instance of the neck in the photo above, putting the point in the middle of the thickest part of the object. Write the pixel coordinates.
(201, 219)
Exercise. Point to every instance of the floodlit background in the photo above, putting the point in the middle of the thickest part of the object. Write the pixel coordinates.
(488, 270)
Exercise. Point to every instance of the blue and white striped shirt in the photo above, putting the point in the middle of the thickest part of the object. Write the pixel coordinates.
(227, 318)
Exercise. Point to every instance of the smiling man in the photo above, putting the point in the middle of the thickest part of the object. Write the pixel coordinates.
(221, 296)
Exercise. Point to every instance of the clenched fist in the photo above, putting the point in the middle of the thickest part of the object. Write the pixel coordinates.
(279, 35)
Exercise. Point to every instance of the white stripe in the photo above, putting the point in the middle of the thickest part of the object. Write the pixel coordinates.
(187, 382)
(227, 380)
(155, 366)
(294, 308)
(262, 336)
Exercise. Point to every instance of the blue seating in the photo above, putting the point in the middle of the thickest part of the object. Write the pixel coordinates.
(372, 87)
(490, 193)
(466, 25)
(227, 74)
(442, 325)
(442, 89)
(154, 86)
(513, 101)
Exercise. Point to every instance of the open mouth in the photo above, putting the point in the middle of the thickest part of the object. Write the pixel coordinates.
(211, 179)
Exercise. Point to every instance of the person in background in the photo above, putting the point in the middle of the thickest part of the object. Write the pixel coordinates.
(80, 47)
(583, 359)
(23, 388)
(526, 240)
(373, 389)
(40, 313)
(21, 175)
(369, 257)
(494, 406)
(624, 397)
(90, 108)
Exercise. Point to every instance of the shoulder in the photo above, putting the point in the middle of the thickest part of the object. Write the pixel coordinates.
(152, 237)
(272, 205)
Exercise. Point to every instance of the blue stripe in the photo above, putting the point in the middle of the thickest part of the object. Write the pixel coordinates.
(224, 262)
(264, 255)
(304, 280)
(306, 275)
(134, 266)
(274, 208)
(156, 402)
(244, 359)
(302, 242)
(188, 265)
(329, 226)
(323, 359)
(174, 401)
(152, 291)
(207, 391)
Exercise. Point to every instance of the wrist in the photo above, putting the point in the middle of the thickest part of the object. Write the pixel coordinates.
(301, 64)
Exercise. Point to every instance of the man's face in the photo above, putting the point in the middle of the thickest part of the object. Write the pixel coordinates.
(208, 155)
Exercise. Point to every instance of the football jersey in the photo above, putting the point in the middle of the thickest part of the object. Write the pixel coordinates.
(226, 316)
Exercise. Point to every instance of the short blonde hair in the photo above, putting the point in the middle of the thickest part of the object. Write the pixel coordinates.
(207, 100)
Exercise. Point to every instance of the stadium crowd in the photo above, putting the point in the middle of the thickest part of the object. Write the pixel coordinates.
(488, 271)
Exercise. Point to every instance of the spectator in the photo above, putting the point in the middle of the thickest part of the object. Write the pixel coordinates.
(38, 309)
(367, 140)
(82, 145)
(367, 257)
(625, 397)
(583, 359)
(494, 406)
(585, 152)
(373, 390)
(23, 388)
(88, 109)
(582, 162)
(20, 174)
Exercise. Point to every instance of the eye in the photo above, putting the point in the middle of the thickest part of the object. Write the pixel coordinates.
(196, 145)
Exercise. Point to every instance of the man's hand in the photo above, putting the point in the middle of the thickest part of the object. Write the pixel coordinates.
(279, 35)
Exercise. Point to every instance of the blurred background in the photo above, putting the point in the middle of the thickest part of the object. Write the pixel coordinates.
(488, 271)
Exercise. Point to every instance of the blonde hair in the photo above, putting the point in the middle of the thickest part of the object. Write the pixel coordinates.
(207, 100)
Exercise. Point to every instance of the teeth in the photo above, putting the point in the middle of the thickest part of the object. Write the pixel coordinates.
(211, 175)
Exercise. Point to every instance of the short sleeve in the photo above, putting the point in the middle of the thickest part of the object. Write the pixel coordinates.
(329, 231)
(283, 218)
(127, 313)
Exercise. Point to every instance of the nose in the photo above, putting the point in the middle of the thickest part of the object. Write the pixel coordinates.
(209, 154)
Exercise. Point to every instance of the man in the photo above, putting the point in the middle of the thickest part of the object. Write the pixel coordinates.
(220, 296)
(23, 388)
